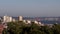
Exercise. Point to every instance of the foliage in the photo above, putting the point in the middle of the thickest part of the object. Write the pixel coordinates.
(22, 28)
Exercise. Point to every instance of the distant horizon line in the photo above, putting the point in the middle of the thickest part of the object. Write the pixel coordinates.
(34, 16)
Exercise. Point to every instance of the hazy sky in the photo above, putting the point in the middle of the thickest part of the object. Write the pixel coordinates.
(30, 7)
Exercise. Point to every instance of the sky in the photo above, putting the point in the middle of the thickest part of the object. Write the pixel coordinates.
(41, 8)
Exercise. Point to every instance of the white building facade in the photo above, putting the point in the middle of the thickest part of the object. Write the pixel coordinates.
(7, 19)
(20, 18)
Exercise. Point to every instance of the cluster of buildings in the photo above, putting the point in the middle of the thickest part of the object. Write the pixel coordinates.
(7, 19)
(11, 19)
(20, 18)
(48, 18)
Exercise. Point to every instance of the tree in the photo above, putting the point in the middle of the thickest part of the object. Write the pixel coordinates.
(56, 28)
(22, 28)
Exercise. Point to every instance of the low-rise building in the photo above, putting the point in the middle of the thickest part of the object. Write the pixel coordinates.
(28, 21)
(36, 22)
(13, 20)
(24, 21)
(39, 23)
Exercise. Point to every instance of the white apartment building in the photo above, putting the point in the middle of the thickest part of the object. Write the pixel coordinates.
(7, 19)
(24, 21)
(28, 21)
(39, 23)
(36, 22)
(13, 20)
(20, 18)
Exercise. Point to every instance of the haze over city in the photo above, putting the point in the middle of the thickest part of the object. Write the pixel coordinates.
(44, 8)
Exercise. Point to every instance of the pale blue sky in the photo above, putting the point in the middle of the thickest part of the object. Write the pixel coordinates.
(30, 7)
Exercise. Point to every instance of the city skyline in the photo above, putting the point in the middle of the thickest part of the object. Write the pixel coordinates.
(30, 8)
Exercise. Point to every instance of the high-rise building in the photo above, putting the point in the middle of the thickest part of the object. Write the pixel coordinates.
(20, 18)
(7, 19)
(10, 19)
(4, 18)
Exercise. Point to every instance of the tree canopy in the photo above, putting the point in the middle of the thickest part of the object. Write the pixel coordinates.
(22, 28)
